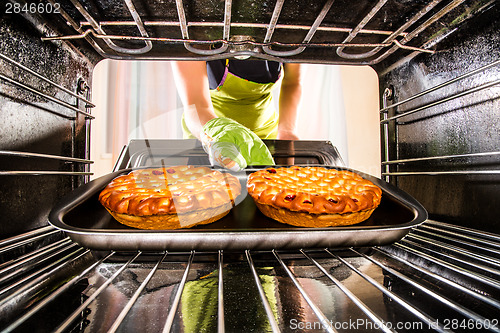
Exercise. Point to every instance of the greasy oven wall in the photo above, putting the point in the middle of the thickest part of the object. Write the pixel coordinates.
(38, 117)
(426, 146)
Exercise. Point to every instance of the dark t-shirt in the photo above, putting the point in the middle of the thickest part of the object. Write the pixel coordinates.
(259, 71)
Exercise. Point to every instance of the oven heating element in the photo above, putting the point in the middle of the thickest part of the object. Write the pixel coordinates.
(93, 30)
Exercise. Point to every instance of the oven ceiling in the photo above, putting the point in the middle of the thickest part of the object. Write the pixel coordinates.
(327, 31)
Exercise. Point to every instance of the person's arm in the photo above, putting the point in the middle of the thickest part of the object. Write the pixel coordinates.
(192, 84)
(290, 94)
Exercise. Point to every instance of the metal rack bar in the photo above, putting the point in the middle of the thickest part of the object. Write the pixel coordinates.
(269, 312)
(41, 77)
(482, 298)
(220, 295)
(495, 244)
(324, 321)
(171, 314)
(140, 26)
(306, 40)
(185, 33)
(33, 279)
(74, 25)
(444, 300)
(476, 256)
(274, 20)
(445, 226)
(419, 29)
(26, 262)
(388, 92)
(44, 173)
(112, 45)
(32, 254)
(32, 276)
(48, 156)
(373, 316)
(135, 297)
(26, 238)
(52, 296)
(393, 36)
(44, 95)
(354, 32)
(447, 99)
(64, 325)
(452, 257)
(444, 157)
(455, 268)
(442, 85)
(416, 312)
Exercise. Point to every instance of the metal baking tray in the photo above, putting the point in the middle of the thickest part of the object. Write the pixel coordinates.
(85, 220)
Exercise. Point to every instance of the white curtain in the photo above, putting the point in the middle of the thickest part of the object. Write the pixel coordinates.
(322, 112)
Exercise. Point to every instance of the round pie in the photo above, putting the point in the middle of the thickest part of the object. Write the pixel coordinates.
(313, 196)
(170, 197)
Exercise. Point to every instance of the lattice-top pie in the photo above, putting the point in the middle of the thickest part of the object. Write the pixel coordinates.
(313, 196)
(170, 197)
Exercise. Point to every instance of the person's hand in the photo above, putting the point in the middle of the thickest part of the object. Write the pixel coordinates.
(287, 135)
(225, 154)
(233, 146)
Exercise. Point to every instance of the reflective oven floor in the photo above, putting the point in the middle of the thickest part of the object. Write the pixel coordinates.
(438, 278)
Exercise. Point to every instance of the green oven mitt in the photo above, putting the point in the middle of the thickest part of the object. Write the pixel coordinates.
(233, 146)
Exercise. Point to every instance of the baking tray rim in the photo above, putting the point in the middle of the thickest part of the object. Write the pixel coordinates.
(65, 205)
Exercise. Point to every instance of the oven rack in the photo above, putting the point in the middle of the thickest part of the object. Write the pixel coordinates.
(416, 280)
(93, 30)
(390, 114)
(27, 72)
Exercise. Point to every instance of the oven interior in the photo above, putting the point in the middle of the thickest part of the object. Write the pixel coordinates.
(438, 68)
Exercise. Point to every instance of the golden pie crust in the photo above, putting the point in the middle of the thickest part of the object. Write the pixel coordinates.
(170, 197)
(313, 196)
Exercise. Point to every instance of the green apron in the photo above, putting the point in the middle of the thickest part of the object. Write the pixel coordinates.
(248, 103)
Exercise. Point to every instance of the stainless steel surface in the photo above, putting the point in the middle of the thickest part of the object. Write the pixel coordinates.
(400, 287)
(327, 326)
(178, 294)
(373, 316)
(265, 302)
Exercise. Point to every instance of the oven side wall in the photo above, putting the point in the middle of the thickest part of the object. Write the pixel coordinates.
(34, 123)
(466, 125)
